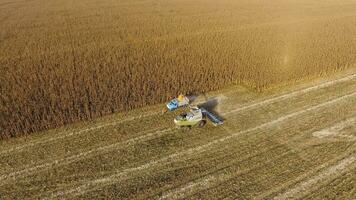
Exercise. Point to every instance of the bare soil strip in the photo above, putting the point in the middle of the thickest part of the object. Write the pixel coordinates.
(328, 173)
(109, 180)
(64, 135)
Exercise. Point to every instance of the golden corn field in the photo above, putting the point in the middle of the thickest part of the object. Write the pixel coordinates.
(63, 61)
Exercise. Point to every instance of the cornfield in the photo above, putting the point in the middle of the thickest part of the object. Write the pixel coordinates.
(64, 61)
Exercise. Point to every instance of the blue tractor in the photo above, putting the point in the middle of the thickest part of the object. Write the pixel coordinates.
(175, 103)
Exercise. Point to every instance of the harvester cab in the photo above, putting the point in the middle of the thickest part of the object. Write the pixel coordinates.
(191, 118)
(175, 103)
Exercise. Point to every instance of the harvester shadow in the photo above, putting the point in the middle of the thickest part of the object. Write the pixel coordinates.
(210, 105)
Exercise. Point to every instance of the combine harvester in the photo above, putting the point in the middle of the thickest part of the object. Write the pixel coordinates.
(195, 117)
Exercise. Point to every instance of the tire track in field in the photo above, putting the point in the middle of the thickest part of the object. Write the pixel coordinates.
(331, 172)
(109, 180)
(210, 180)
(329, 189)
(336, 129)
(28, 170)
(229, 161)
(274, 192)
(64, 135)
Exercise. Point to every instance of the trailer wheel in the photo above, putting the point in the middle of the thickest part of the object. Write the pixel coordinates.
(202, 123)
